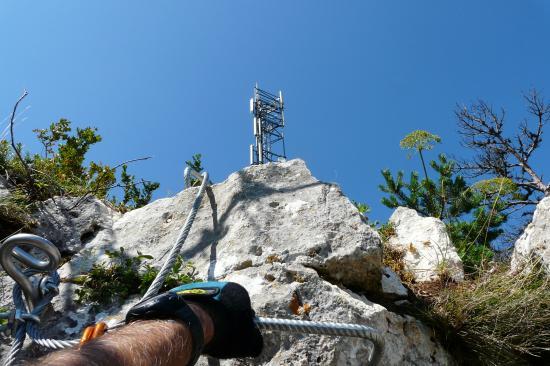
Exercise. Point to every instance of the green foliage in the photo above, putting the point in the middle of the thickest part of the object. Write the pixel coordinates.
(126, 275)
(363, 208)
(474, 214)
(196, 164)
(68, 151)
(181, 273)
(60, 171)
(134, 196)
(496, 186)
(447, 197)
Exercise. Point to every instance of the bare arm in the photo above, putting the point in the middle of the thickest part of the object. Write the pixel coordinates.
(142, 343)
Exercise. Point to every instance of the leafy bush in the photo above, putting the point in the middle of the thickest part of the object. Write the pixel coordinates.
(126, 275)
(60, 171)
(134, 196)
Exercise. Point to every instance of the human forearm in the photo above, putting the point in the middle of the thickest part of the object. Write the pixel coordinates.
(141, 343)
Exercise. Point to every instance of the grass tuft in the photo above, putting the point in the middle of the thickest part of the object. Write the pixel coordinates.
(496, 318)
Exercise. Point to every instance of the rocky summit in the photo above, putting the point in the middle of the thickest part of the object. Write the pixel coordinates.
(298, 245)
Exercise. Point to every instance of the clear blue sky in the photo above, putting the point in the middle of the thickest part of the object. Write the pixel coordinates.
(172, 78)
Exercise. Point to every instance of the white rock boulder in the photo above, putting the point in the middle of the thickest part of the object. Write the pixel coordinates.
(534, 243)
(428, 250)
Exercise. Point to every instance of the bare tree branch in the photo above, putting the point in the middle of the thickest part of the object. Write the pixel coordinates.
(482, 130)
(30, 183)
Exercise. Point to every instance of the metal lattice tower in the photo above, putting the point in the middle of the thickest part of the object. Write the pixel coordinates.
(269, 121)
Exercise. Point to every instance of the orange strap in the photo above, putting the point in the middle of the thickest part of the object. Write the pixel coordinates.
(93, 331)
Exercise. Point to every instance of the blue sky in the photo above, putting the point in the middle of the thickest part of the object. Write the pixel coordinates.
(172, 78)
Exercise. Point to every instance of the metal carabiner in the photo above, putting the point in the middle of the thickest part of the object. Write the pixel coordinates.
(11, 250)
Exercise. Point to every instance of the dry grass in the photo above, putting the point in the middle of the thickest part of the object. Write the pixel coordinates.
(501, 319)
(14, 214)
(393, 258)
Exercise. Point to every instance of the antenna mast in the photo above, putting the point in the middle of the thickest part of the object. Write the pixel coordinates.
(268, 123)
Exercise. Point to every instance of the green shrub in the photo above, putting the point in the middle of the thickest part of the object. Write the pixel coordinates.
(126, 275)
(60, 171)
(134, 196)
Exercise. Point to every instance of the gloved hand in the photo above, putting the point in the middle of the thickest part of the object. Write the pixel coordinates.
(228, 304)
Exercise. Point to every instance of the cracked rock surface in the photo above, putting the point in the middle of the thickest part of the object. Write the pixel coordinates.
(71, 223)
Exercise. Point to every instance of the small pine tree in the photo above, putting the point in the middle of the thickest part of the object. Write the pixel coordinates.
(196, 164)
(474, 214)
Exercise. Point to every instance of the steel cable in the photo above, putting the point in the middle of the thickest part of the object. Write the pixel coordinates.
(174, 252)
(326, 328)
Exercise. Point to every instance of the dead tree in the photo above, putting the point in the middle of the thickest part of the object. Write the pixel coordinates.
(501, 155)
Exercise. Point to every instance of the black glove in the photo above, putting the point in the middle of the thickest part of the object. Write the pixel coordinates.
(228, 304)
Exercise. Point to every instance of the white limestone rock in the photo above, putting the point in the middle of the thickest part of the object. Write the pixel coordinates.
(426, 244)
(272, 212)
(70, 228)
(534, 243)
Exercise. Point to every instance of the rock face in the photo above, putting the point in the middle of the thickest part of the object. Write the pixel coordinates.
(534, 243)
(71, 223)
(290, 240)
(407, 341)
(391, 284)
(269, 213)
(426, 244)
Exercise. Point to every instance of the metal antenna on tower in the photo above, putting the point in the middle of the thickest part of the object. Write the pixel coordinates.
(268, 122)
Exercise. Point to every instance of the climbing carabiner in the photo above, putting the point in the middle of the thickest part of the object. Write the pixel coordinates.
(11, 250)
